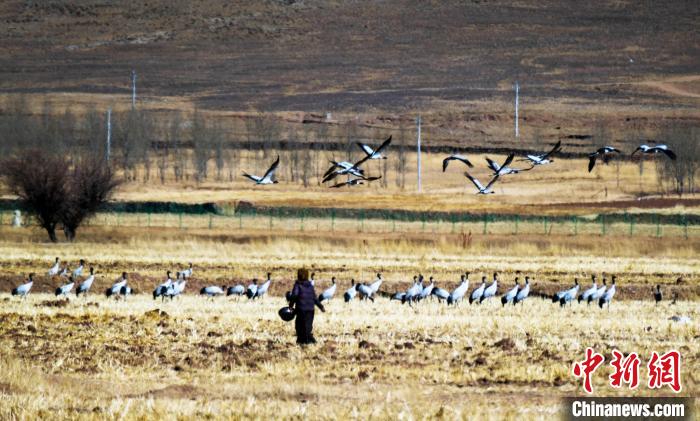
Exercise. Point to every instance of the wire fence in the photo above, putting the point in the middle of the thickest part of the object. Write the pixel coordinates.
(416, 223)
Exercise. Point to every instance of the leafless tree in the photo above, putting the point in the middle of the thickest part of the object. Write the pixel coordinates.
(201, 144)
(40, 181)
(90, 185)
(175, 139)
(400, 159)
(680, 174)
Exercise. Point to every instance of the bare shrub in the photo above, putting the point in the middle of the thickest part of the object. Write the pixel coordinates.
(54, 192)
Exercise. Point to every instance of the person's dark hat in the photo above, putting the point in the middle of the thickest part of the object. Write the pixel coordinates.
(287, 314)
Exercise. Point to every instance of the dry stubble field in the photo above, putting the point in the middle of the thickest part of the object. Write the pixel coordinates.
(139, 358)
(193, 358)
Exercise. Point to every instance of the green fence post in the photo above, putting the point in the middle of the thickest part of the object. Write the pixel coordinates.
(422, 216)
(631, 226)
(301, 220)
(544, 219)
(486, 223)
(517, 222)
(332, 220)
(271, 211)
(575, 218)
(393, 223)
(685, 226)
(658, 226)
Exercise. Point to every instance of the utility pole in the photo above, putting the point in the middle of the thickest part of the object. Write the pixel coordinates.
(133, 89)
(109, 132)
(517, 92)
(418, 151)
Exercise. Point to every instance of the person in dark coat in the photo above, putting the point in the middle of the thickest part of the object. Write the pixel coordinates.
(303, 299)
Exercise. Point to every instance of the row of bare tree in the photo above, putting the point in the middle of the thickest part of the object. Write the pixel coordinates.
(181, 147)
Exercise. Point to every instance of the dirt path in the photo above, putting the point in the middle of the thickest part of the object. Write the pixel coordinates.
(672, 86)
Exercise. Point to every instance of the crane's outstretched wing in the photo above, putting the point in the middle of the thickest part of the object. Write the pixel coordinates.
(271, 171)
(493, 180)
(555, 149)
(460, 158)
(493, 165)
(508, 160)
(252, 177)
(475, 181)
(383, 145)
(591, 161)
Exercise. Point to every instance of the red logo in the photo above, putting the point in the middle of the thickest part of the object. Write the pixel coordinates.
(665, 370)
(586, 368)
(626, 370)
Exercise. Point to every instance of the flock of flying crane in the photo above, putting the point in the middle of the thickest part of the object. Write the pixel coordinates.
(339, 168)
(417, 292)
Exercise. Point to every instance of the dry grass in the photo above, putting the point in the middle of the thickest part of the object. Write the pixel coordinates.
(237, 359)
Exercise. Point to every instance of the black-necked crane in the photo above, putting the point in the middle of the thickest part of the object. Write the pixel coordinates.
(590, 291)
(187, 273)
(509, 296)
(344, 168)
(609, 294)
(354, 182)
(491, 290)
(455, 157)
(570, 294)
(351, 292)
(268, 177)
(545, 158)
(523, 293)
(53, 271)
(212, 291)
(480, 187)
(162, 289)
(398, 296)
(599, 293)
(441, 294)
(653, 150)
(375, 153)
(117, 286)
(556, 297)
(24, 289)
(262, 289)
(414, 291)
(657, 294)
(478, 292)
(178, 286)
(499, 170)
(252, 289)
(66, 288)
(365, 292)
(602, 153)
(458, 293)
(427, 289)
(85, 286)
(236, 290)
(374, 286)
(78, 272)
(329, 292)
